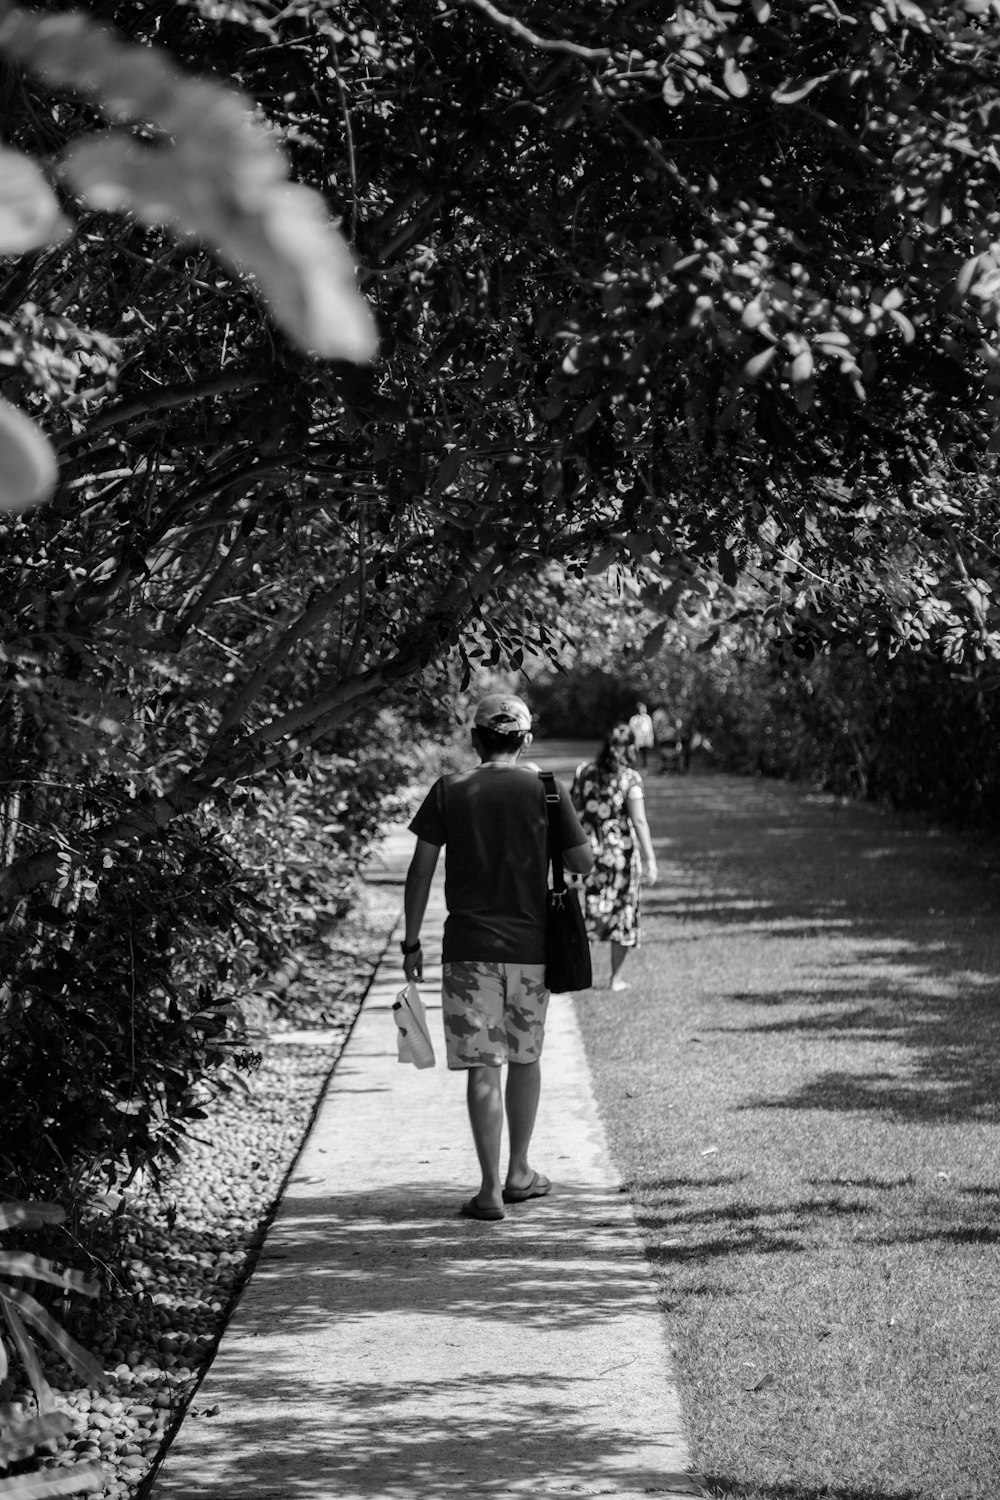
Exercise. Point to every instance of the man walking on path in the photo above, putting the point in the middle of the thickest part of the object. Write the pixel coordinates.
(493, 823)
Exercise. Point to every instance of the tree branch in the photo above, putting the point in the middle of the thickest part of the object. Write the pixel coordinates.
(277, 650)
(218, 385)
(352, 165)
(544, 44)
(199, 607)
(262, 750)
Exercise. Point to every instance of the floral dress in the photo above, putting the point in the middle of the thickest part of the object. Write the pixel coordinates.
(612, 887)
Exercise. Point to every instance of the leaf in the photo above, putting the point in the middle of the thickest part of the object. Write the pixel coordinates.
(728, 565)
(450, 466)
(735, 79)
(903, 323)
(44, 1323)
(753, 315)
(23, 1263)
(30, 1215)
(28, 468)
(602, 560)
(673, 94)
(758, 364)
(654, 640)
(29, 212)
(802, 367)
(53, 1482)
(552, 480)
(222, 179)
(492, 374)
(29, 1357)
(673, 596)
(278, 231)
(586, 418)
(966, 276)
(791, 92)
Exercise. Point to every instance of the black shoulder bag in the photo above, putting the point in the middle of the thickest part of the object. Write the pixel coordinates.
(567, 951)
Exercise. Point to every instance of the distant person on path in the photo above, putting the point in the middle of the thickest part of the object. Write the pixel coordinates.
(644, 737)
(668, 733)
(608, 795)
(663, 725)
(493, 823)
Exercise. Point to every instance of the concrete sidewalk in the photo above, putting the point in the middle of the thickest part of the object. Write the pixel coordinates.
(387, 1347)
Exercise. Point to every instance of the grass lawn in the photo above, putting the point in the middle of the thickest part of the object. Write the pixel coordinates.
(802, 1092)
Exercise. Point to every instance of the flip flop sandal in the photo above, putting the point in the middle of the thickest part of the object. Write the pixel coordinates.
(538, 1187)
(474, 1210)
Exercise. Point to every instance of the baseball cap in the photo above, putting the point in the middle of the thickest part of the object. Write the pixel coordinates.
(503, 712)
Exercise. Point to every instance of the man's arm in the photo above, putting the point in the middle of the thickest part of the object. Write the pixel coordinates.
(578, 856)
(417, 889)
(579, 859)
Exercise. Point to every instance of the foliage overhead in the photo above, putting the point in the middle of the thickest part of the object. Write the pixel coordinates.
(712, 292)
(213, 174)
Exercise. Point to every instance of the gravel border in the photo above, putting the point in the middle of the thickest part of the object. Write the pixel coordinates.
(184, 1255)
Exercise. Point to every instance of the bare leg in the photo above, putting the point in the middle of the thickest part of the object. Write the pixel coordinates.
(524, 1082)
(618, 957)
(486, 1118)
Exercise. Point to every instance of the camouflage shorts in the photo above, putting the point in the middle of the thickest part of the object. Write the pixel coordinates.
(493, 1013)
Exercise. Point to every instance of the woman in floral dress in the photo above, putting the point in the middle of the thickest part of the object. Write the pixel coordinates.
(607, 794)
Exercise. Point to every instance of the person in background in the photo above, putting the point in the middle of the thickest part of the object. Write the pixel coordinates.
(607, 793)
(667, 731)
(493, 824)
(662, 727)
(643, 736)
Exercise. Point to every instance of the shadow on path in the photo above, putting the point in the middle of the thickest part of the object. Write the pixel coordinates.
(536, 1290)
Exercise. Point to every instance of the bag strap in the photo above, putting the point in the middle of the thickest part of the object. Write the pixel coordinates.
(548, 781)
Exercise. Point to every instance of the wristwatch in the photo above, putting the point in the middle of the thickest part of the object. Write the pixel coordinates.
(407, 948)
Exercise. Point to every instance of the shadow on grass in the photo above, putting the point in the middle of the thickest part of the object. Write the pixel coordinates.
(720, 1487)
(676, 1184)
(750, 1228)
(881, 1212)
(879, 1184)
(740, 1242)
(896, 923)
(819, 1010)
(955, 1093)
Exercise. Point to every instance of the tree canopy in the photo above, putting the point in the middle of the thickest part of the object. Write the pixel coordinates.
(714, 294)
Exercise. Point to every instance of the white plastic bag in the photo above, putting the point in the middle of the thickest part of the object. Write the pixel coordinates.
(413, 1038)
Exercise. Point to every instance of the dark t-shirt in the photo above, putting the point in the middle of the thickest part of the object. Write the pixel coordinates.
(494, 826)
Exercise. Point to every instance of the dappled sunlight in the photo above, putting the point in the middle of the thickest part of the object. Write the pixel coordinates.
(360, 1256)
(445, 1438)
